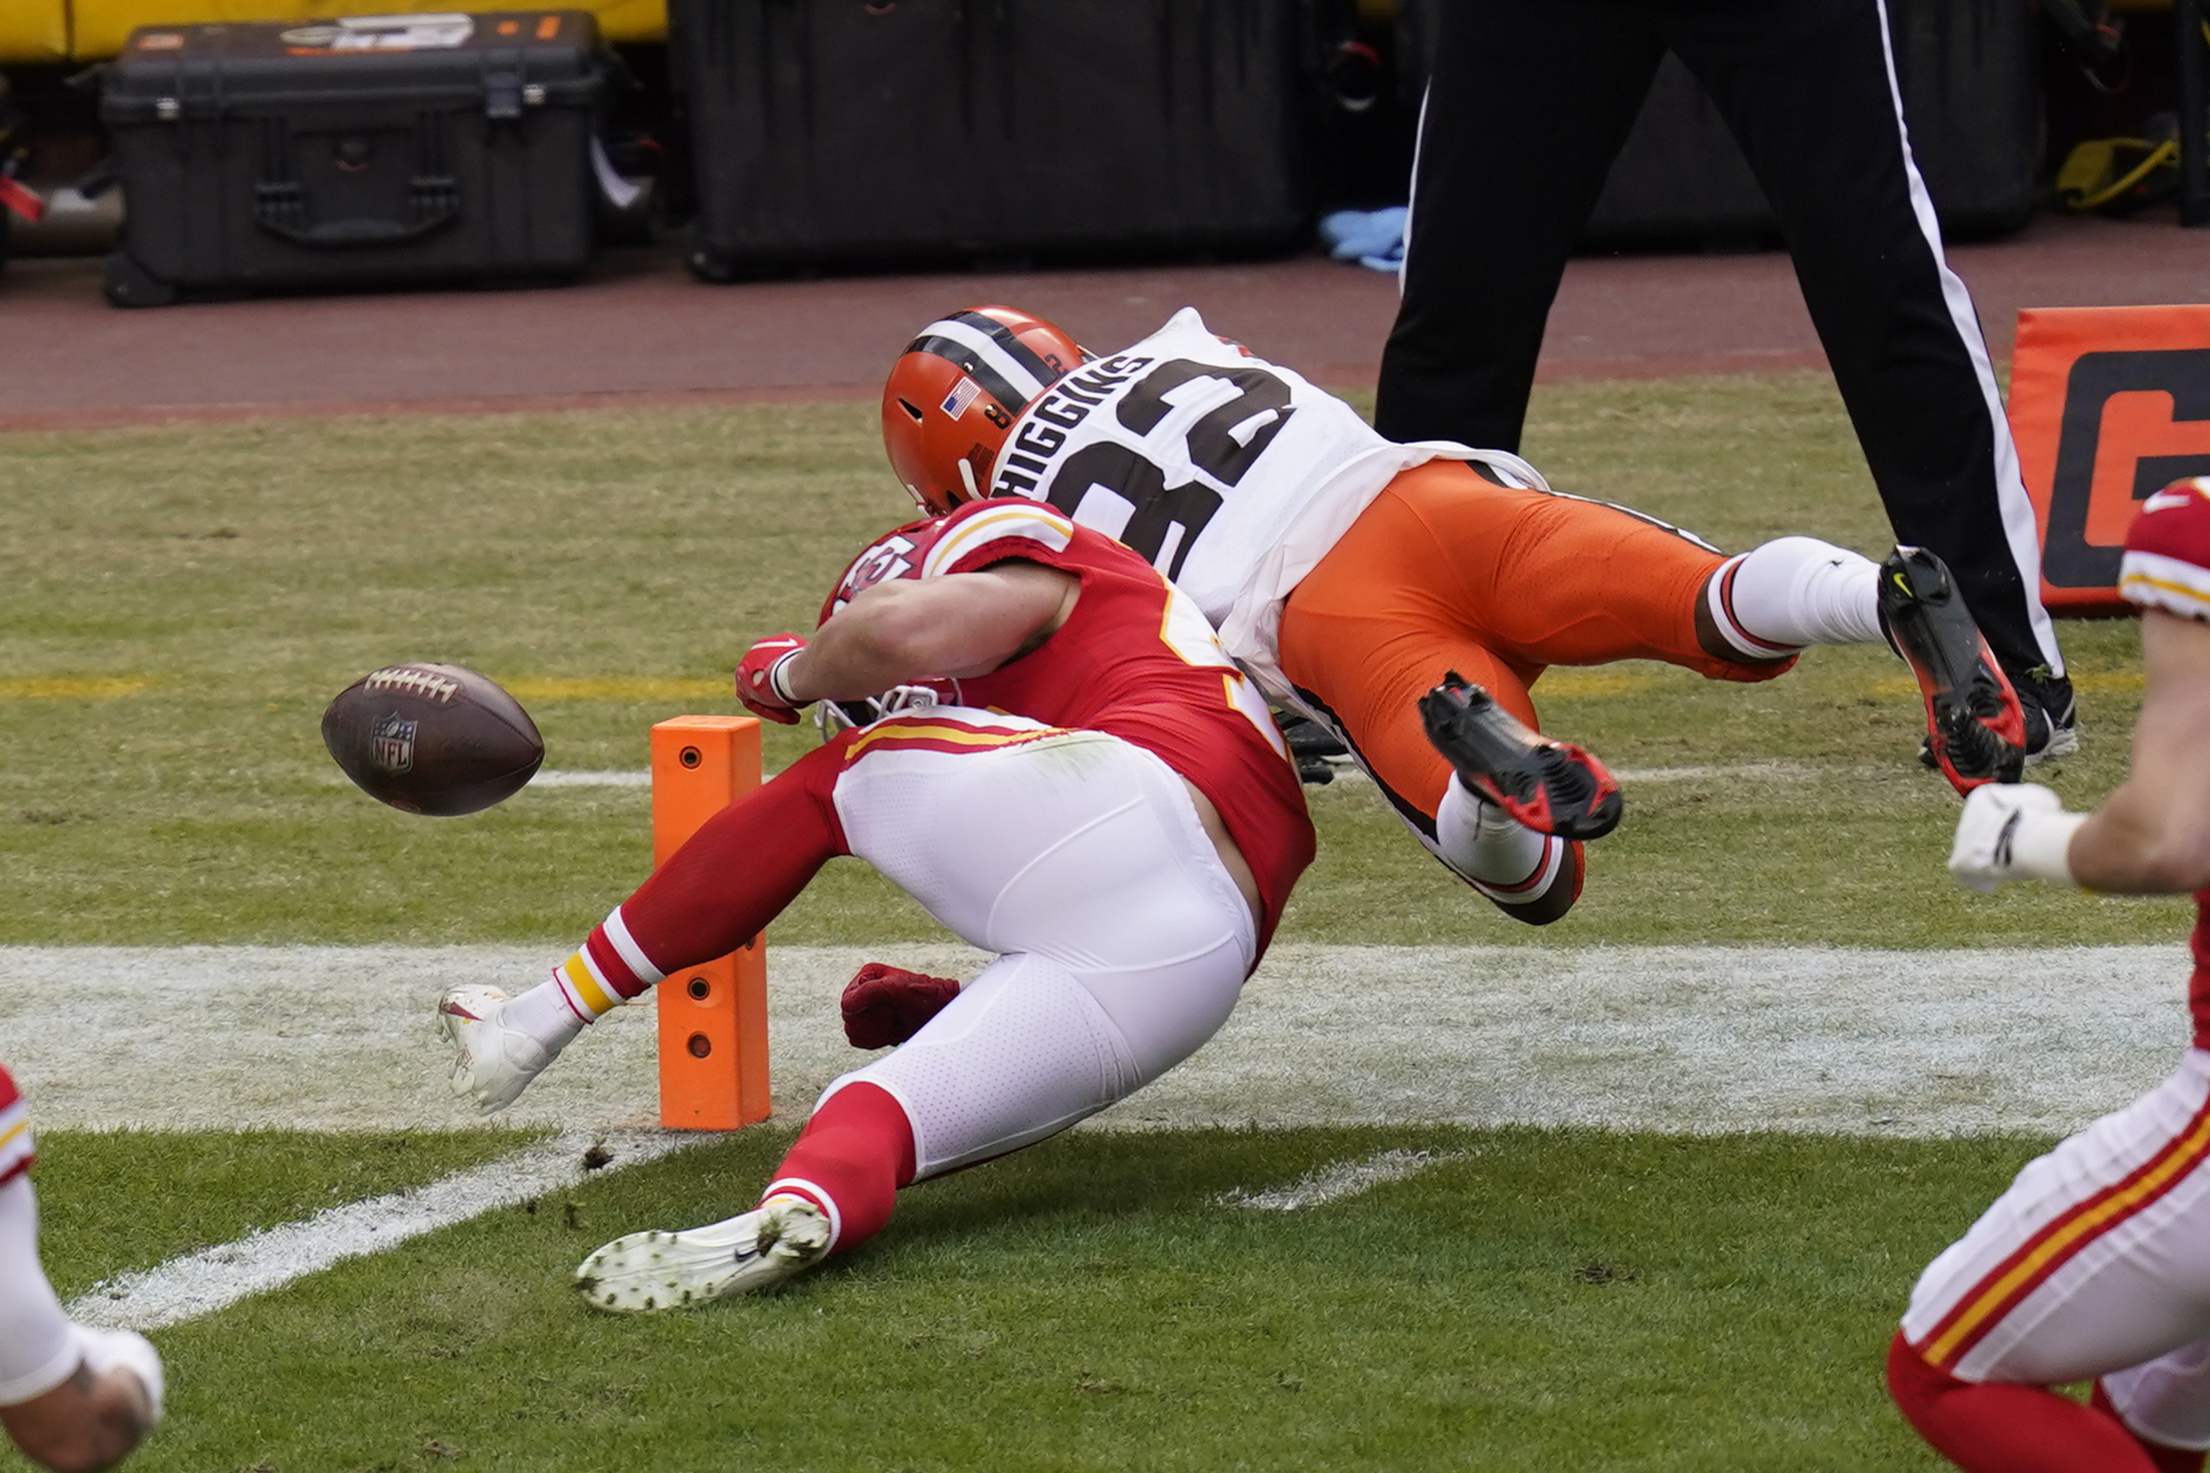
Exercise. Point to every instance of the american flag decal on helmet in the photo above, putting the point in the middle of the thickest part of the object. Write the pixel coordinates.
(963, 394)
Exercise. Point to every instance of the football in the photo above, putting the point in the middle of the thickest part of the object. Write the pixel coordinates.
(431, 738)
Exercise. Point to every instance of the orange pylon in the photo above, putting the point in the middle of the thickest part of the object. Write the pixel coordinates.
(713, 1018)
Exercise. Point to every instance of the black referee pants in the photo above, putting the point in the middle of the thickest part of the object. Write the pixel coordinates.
(1530, 101)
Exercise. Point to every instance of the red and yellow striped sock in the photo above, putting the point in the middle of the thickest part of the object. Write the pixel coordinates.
(607, 971)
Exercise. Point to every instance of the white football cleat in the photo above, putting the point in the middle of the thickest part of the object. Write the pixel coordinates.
(496, 1062)
(651, 1271)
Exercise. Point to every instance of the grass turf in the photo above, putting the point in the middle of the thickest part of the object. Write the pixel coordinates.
(176, 605)
(120, 1201)
(1531, 1300)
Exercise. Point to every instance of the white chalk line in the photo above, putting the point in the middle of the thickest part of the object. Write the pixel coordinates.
(201, 1283)
(1338, 1180)
(554, 777)
(1689, 1040)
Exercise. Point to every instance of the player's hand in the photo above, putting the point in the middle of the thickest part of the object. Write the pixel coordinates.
(1986, 851)
(108, 1352)
(884, 1005)
(759, 678)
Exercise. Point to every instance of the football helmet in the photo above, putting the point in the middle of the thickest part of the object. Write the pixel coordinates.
(954, 394)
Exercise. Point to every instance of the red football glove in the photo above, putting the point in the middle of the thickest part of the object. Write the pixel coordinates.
(884, 1005)
(759, 683)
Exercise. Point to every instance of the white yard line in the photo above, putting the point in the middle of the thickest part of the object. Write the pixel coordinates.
(214, 1278)
(1683, 1039)
(554, 777)
(1341, 1179)
(1680, 1039)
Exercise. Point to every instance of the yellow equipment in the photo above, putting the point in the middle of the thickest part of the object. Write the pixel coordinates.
(34, 32)
(50, 31)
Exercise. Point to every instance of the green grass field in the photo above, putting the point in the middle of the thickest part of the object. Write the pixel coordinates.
(1537, 1300)
(177, 604)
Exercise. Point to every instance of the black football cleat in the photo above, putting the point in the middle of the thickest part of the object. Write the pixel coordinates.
(1975, 728)
(1552, 787)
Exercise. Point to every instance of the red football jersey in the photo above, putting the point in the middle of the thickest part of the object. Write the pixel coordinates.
(1135, 659)
(15, 1131)
(2167, 566)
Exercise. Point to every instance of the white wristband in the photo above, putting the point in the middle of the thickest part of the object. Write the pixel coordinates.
(2040, 845)
(775, 677)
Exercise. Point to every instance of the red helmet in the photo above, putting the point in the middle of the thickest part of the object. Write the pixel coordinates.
(955, 393)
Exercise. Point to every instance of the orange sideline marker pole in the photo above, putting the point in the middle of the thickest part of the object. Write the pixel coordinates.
(713, 1019)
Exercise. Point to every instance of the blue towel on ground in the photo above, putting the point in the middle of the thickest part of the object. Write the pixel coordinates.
(1372, 238)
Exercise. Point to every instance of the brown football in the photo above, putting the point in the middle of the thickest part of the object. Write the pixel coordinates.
(430, 738)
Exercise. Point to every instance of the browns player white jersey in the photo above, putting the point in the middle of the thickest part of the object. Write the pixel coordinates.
(1231, 475)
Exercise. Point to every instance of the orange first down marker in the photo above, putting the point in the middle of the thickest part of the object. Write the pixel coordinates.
(713, 1018)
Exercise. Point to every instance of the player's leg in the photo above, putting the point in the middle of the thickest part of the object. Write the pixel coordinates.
(69, 1397)
(1493, 222)
(733, 876)
(1362, 650)
(2088, 1265)
(1448, 570)
(1128, 943)
(2165, 1404)
(1809, 89)
(1797, 591)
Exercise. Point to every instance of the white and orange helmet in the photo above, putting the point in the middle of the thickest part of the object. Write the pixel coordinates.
(955, 393)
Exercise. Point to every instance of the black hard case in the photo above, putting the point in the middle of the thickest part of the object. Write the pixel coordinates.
(1970, 75)
(841, 131)
(249, 160)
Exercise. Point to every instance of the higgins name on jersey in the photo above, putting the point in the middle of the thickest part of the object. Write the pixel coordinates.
(1231, 475)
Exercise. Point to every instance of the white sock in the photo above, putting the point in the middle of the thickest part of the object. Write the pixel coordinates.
(1483, 842)
(1793, 591)
(545, 1014)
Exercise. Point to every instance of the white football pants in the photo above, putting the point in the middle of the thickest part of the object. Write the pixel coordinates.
(2096, 1262)
(1124, 940)
(38, 1345)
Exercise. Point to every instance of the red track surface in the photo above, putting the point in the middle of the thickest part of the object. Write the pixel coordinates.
(641, 331)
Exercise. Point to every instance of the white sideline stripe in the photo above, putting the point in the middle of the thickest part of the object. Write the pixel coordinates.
(1343, 1179)
(554, 777)
(215, 1278)
(1684, 1039)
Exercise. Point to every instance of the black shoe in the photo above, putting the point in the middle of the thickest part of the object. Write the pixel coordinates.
(1975, 728)
(1552, 787)
(2052, 717)
(1315, 750)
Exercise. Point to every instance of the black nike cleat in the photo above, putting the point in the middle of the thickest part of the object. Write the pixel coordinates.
(1975, 728)
(1552, 787)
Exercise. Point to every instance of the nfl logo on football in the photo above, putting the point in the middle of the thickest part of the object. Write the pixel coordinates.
(391, 743)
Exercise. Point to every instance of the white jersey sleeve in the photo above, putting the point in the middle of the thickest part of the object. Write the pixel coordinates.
(1232, 475)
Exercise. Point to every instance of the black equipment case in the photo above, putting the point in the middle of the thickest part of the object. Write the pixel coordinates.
(839, 131)
(388, 149)
(1970, 74)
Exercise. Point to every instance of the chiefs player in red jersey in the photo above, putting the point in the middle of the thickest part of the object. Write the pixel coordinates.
(2095, 1264)
(1100, 798)
(70, 1397)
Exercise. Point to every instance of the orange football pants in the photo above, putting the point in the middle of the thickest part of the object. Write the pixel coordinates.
(1449, 571)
